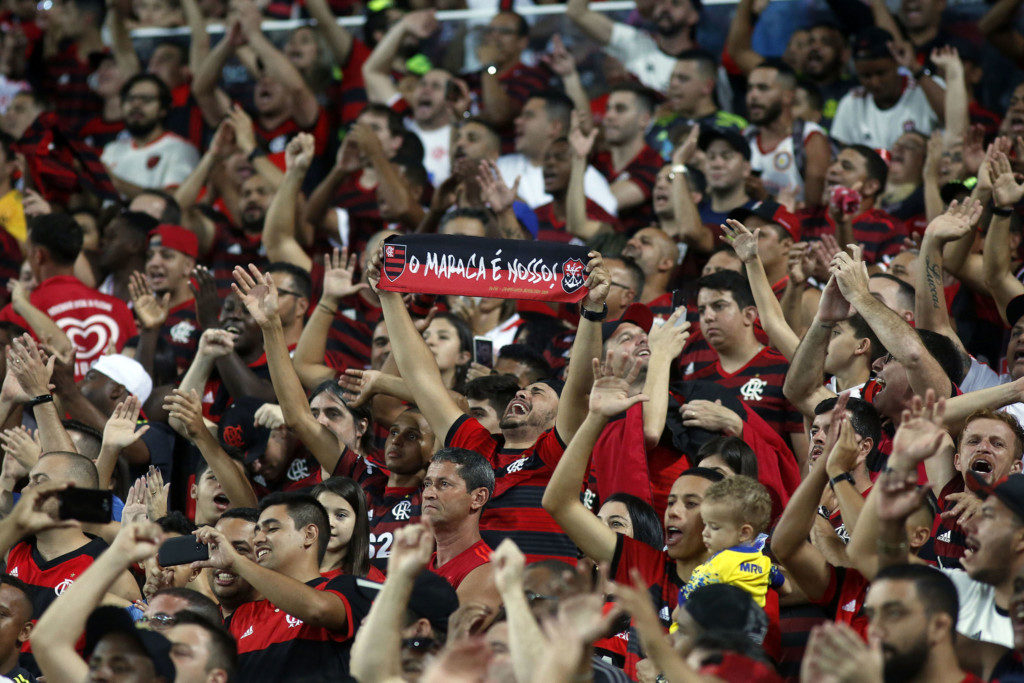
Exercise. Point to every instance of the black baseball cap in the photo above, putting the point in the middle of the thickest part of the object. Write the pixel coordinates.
(732, 137)
(106, 620)
(872, 43)
(1010, 491)
(237, 428)
(723, 607)
(433, 599)
(1015, 309)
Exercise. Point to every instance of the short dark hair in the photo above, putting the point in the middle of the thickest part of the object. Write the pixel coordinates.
(635, 272)
(196, 601)
(935, 590)
(22, 587)
(357, 556)
(223, 648)
(557, 106)
(785, 73)
(522, 28)
(413, 172)
(945, 352)
(527, 355)
(864, 418)
(59, 234)
(472, 467)
(250, 515)
(905, 292)
(139, 223)
(740, 457)
(485, 217)
(704, 473)
(304, 510)
(163, 92)
(394, 121)
(176, 522)
(706, 62)
(80, 469)
(300, 276)
(861, 330)
(875, 165)
(646, 524)
(817, 100)
(729, 281)
(497, 390)
(645, 97)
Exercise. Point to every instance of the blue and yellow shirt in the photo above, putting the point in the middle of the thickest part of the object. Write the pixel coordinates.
(744, 566)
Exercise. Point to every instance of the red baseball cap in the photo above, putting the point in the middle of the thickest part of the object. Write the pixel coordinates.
(177, 238)
(771, 212)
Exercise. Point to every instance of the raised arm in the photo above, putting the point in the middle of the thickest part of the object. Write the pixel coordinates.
(687, 224)
(380, 86)
(315, 607)
(337, 37)
(930, 311)
(576, 221)
(415, 361)
(121, 431)
(769, 309)
(893, 332)
(1006, 193)
(26, 364)
(563, 63)
(186, 418)
(62, 624)
(121, 41)
(803, 385)
(903, 52)
(279, 224)
(597, 26)
(666, 343)
(956, 96)
(212, 101)
(738, 40)
(998, 26)
(199, 37)
(525, 636)
(608, 397)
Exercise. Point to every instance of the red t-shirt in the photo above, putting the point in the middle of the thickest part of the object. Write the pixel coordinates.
(455, 570)
(91, 320)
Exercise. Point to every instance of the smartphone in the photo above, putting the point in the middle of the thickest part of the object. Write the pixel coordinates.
(679, 301)
(182, 550)
(85, 505)
(483, 351)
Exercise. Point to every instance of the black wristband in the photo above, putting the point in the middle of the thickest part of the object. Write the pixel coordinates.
(845, 476)
(44, 398)
(594, 317)
(1001, 211)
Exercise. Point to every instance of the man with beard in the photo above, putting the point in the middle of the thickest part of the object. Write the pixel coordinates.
(534, 427)
(651, 58)
(552, 217)
(789, 154)
(656, 254)
(150, 156)
(123, 251)
(912, 611)
(237, 525)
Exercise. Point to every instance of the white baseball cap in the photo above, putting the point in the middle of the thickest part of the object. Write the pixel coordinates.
(127, 372)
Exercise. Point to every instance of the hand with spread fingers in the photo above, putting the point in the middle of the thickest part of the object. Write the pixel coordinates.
(610, 394)
(151, 311)
(340, 270)
(743, 241)
(258, 293)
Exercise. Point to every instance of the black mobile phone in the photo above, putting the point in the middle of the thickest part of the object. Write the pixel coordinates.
(85, 505)
(483, 351)
(182, 550)
(678, 300)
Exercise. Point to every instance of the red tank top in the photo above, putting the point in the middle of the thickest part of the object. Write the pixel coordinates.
(458, 568)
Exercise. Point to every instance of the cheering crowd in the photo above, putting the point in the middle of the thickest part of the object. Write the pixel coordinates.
(769, 428)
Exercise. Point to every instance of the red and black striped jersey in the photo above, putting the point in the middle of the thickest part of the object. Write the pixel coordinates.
(948, 538)
(64, 80)
(275, 646)
(370, 476)
(216, 397)
(795, 623)
(455, 570)
(552, 229)
(372, 574)
(361, 211)
(233, 247)
(879, 233)
(520, 477)
(389, 512)
(347, 95)
(182, 332)
(303, 473)
(184, 117)
(655, 566)
(521, 82)
(642, 171)
(351, 334)
(844, 597)
(98, 132)
(759, 385)
(276, 139)
(47, 579)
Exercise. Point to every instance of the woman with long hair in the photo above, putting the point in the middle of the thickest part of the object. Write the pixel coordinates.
(348, 550)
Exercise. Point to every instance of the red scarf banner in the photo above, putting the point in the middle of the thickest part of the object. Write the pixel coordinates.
(478, 266)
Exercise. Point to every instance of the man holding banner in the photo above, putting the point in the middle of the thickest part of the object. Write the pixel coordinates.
(539, 421)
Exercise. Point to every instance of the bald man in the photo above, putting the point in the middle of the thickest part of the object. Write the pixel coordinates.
(656, 254)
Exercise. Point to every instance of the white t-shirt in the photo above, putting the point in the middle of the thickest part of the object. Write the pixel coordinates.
(979, 619)
(641, 56)
(859, 121)
(436, 146)
(778, 166)
(163, 163)
(531, 183)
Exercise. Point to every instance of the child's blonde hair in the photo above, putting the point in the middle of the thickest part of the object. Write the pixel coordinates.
(748, 499)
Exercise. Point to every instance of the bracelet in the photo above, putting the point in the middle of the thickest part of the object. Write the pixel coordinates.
(43, 398)
(1005, 212)
(592, 316)
(327, 308)
(886, 548)
(921, 73)
(845, 476)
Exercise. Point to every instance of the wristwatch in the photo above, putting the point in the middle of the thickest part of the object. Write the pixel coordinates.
(845, 476)
(491, 69)
(676, 170)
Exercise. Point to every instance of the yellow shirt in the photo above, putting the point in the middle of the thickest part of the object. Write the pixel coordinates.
(12, 217)
(746, 567)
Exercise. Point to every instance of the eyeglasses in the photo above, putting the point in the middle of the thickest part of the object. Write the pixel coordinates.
(532, 597)
(613, 283)
(287, 292)
(160, 621)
